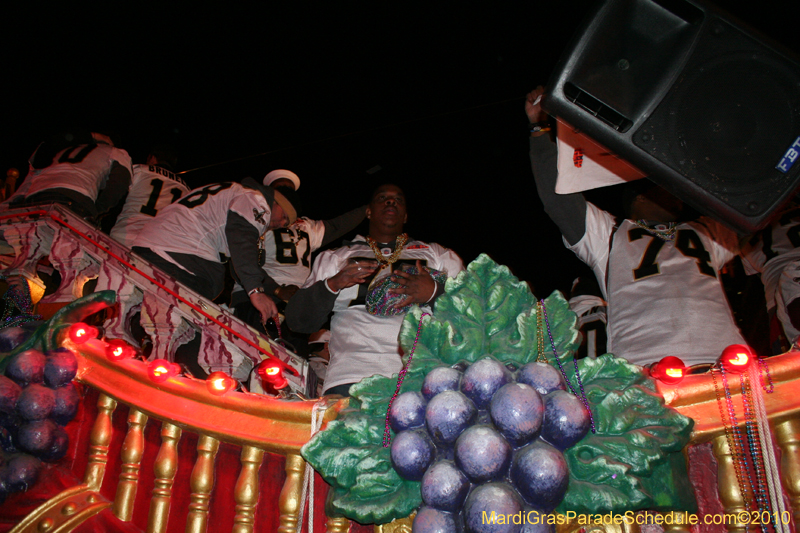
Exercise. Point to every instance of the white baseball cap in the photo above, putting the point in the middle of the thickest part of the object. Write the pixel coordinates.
(282, 174)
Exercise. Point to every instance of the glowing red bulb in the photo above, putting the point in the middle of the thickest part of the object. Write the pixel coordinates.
(737, 357)
(271, 372)
(218, 383)
(80, 332)
(117, 349)
(669, 370)
(160, 370)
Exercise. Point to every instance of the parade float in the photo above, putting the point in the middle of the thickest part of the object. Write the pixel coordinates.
(490, 420)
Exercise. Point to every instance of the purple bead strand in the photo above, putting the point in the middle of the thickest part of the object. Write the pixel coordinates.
(387, 436)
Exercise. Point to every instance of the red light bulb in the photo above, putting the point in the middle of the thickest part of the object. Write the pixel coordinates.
(669, 370)
(118, 349)
(737, 358)
(80, 332)
(271, 372)
(160, 370)
(218, 383)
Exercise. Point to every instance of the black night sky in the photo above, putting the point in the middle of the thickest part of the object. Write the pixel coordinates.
(432, 93)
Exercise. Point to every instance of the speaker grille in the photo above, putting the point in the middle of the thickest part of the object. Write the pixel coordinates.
(719, 125)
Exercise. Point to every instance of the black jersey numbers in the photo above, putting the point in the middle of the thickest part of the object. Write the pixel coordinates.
(790, 223)
(690, 245)
(648, 265)
(687, 241)
(150, 207)
(286, 247)
(200, 196)
(73, 155)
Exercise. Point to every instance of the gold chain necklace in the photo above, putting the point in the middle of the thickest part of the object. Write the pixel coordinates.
(402, 239)
(666, 234)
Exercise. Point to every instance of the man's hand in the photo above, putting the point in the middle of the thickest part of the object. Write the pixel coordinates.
(533, 106)
(264, 305)
(418, 288)
(354, 272)
(285, 292)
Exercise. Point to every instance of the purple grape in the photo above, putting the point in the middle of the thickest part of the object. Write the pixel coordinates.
(60, 367)
(21, 472)
(26, 367)
(448, 414)
(36, 402)
(412, 453)
(493, 508)
(58, 448)
(10, 338)
(66, 405)
(482, 453)
(517, 411)
(566, 420)
(9, 394)
(444, 487)
(430, 520)
(408, 411)
(439, 380)
(540, 474)
(37, 437)
(482, 379)
(542, 377)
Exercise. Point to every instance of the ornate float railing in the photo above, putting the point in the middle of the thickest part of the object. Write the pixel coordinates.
(127, 408)
(170, 314)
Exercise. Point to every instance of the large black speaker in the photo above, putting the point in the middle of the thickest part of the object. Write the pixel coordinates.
(706, 107)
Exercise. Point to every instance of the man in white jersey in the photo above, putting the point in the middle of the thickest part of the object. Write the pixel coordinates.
(363, 344)
(774, 253)
(86, 173)
(659, 277)
(286, 252)
(154, 186)
(187, 238)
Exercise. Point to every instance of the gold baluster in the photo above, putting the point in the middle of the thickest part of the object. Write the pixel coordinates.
(730, 494)
(679, 522)
(99, 440)
(132, 451)
(289, 501)
(787, 434)
(165, 467)
(245, 494)
(201, 483)
(337, 524)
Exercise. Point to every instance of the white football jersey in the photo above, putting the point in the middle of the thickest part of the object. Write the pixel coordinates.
(287, 251)
(195, 224)
(152, 189)
(362, 344)
(664, 297)
(772, 249)
(83, 168)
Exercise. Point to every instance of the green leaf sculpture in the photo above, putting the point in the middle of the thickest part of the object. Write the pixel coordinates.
(486, 310)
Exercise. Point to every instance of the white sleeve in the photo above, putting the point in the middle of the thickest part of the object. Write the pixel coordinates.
(252, 206)
(446, 260)
(316, 232)
(593, 248)
(724, 241)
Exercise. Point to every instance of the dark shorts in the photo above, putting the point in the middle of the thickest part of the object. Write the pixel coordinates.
(206, 278)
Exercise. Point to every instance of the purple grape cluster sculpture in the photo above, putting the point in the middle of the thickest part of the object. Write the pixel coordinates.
(486, 440)
(37, 399)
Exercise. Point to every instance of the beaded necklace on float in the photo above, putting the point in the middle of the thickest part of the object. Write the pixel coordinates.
(665, 232)
(542, 314)
(751, 451)
(383, 261)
